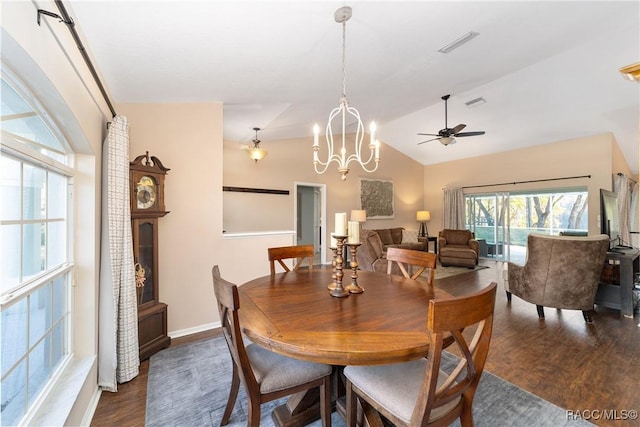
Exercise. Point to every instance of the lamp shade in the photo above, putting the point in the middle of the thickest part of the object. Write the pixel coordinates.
(423, 216)
(447, 140)
(358, 215)
(257, 153)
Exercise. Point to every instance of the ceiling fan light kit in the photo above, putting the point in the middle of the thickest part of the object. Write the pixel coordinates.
(342, 113)
(447, 135)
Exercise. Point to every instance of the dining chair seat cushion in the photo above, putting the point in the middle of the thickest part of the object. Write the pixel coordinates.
(275, 372)
(396, 386)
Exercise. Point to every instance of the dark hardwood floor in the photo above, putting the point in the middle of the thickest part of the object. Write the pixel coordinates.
(578, 366)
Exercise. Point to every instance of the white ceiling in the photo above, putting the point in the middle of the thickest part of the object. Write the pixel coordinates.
(548, 70)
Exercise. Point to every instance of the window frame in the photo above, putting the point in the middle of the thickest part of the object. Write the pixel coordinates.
(56, 336)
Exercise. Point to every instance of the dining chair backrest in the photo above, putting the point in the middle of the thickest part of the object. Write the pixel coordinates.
(228, 305)
(453, 315)
(412, 263)
(444, 394)
(266, 375)
(299, 253)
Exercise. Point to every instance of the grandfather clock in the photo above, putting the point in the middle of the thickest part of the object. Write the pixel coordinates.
(146, 181)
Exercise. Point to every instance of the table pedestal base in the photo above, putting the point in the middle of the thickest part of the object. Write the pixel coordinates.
(283, 417)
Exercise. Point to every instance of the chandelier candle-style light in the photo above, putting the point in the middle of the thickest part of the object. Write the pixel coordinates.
(341, 113)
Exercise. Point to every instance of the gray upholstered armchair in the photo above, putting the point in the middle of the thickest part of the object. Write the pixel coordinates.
(560, 272)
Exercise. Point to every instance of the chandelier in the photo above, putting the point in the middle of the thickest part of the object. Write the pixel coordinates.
(341, 114)
(256, 153)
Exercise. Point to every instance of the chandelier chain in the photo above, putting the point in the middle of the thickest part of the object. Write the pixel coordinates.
(344, 59)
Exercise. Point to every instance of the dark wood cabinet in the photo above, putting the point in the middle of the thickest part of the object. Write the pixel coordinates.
(617, 293)
(152, 314)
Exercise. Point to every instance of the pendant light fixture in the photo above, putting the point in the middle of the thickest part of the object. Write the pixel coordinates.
(344, 114)
(256, 153)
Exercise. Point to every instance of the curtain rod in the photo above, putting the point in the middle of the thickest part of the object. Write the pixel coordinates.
(527, 182)
(66, 19)
(630, 179)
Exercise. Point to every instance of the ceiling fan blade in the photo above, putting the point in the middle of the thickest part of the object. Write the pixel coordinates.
(469, 134)
(432, 139)
(429, 134)
(458, 128)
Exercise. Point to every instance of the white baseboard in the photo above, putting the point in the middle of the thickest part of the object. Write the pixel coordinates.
(194, 330)
(91, 409)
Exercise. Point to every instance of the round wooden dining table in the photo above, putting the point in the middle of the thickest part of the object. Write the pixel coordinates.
(293, 314)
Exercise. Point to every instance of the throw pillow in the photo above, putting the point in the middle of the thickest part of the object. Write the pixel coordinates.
(385, 236)
(376, 244)
(409, 236)
(396, 235)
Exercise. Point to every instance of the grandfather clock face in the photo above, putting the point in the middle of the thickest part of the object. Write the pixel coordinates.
(146, 193)
(146, 177)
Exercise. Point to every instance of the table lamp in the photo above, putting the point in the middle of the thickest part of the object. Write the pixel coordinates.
(423, 217)
(358, 215)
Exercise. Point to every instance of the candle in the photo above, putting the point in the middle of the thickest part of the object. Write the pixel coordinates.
(334, 242)
(341, 224)
(377, 149)
(316, 131)
(354, 232)
(372, 133)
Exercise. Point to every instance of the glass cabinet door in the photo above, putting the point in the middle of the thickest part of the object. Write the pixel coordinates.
(145, 256)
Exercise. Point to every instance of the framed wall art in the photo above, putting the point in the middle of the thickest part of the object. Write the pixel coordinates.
(376, 197)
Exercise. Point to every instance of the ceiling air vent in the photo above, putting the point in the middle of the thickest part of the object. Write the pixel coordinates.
(475, 102)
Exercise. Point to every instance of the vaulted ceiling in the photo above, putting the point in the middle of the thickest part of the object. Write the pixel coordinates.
(548, 71)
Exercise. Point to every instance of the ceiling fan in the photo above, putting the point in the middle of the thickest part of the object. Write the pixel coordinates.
(446, 136)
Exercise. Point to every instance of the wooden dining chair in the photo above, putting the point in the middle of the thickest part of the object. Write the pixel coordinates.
(266, 375)
(299, 253)
(412, 263)
(421, 392)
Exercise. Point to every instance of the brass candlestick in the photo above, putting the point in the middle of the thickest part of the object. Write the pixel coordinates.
(354, 288)
(339, 291)
(332, 285)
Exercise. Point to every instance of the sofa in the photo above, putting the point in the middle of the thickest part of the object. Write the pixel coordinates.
(372, 255)
(458, 247)
(400, 238)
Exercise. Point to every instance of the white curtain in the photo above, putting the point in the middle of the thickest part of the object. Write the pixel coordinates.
(453, 206)
(623, 191)
(634, 217)
(118, 358)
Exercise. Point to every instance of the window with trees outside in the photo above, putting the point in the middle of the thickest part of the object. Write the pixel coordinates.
(35, 267)
(502, 221)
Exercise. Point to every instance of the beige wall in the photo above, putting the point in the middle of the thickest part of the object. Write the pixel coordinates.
(290, 161)
(187, 138)
(595, 156)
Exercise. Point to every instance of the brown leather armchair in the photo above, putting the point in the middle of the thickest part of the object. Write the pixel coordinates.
(560, 272)
(458, 247)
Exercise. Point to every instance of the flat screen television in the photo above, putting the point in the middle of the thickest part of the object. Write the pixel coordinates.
(609, 220)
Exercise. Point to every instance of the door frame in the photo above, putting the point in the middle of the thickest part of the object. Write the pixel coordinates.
(322, 209)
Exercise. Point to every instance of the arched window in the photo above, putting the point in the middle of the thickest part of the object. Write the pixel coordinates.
(36, 187)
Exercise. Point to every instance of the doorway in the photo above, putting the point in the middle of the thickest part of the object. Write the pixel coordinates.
(310, 214)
